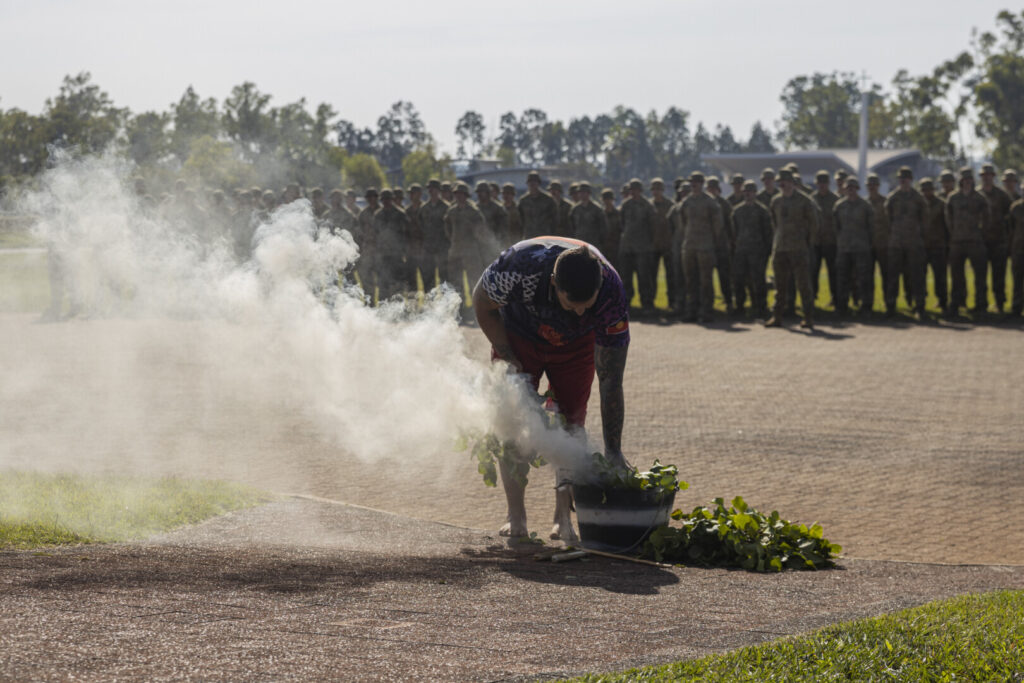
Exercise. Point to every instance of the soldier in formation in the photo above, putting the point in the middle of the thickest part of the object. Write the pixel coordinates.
(854, 220)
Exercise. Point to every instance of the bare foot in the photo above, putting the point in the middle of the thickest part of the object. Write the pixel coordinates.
(514, 528)
(564, 531)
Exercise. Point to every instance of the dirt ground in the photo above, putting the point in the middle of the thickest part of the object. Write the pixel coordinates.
(902, 440)
(306, 590)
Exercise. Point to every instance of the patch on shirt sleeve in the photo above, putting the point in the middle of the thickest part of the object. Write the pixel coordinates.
(618, 328)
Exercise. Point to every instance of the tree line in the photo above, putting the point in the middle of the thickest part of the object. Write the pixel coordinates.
(246, 139)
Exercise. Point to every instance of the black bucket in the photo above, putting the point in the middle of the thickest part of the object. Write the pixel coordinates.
(619, 520)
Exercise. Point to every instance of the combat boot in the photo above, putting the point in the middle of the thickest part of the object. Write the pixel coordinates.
(773, 322)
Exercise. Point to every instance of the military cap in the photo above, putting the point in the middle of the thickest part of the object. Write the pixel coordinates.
(415, 187)
(697, 176)
(508, 186)
(625, 188)
(988, 169)
(461, 187)
(335, 193)
(445, 187)
(966, 173)
(926, 182)
(635, 184)
(657, 182)
(794, 169)
(679, 182)
(433, 184)
(1009, 174)
(785, 174)
(386, 194)
(350, 192)
(946, 174)
(853, 182)
(904, 172)
(841, 174)
(483, 185)
(555, 183)
(575, 187)
(533, 176)
(584, 187)
(371, 192)
(607, 193)
(737, 179)
(873, 179)
(767, 173)
(749, 185)
(713, 180)
(822, 175)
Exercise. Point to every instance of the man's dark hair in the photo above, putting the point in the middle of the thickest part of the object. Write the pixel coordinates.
(578, 273)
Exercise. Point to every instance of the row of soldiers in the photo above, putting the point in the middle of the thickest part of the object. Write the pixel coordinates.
(698, 232)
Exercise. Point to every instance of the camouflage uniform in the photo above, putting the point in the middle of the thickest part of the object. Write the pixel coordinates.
(538, 214)
(1016, 227)
(854, 221)
(366, 240)
(936, 244)
(702, 222)
(563, 227)
(663, 240)
(723, 248)
(880, 239)
(795, 219)
(414, 254)
(907, 212)
(996, 242)
(435, 241)
(967, 216)
(613, 220)
(636, 249)
(752, 226)
(825, 244)
(496, 238)
(466, 229)
(392, 227)
(515, 224)
(588, 222)
(678, 282)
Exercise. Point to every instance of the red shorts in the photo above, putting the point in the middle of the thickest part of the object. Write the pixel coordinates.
(569, 368)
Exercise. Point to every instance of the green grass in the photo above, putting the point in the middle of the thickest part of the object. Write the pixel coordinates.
(825, 295)
(968, 638)
(55, 509)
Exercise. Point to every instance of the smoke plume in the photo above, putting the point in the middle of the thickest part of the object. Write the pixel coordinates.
(379, 382)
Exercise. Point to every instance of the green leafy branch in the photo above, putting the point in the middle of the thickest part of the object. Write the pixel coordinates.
(662, 480)
(740, 536)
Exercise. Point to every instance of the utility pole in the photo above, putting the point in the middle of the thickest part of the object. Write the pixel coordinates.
(862, 140)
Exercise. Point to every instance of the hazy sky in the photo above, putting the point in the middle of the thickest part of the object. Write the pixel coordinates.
(722, 63)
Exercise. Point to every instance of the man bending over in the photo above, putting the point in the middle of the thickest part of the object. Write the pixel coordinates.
(555, 306)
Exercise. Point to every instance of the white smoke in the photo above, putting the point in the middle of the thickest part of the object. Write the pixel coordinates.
(376, 382)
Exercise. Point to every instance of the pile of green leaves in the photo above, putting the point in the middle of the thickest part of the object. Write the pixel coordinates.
(740, 536)
(662, 480)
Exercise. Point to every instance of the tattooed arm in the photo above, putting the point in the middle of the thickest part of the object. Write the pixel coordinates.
(610, 364)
